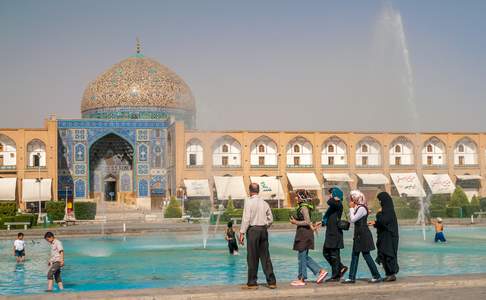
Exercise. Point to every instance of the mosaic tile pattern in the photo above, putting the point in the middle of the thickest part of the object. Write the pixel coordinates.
(138, 81)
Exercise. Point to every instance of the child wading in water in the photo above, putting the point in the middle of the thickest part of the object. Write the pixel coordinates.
(19, 248)
(304, 240)
(230, 236)
(439, 231)
(56, 261)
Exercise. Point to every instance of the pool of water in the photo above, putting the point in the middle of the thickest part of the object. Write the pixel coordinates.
(168, 260)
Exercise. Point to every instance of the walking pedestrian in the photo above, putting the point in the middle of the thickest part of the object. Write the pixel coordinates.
(362, 240)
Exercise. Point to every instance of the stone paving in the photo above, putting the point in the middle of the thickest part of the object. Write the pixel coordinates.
(440, 287)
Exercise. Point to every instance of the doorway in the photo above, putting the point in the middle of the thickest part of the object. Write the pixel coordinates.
(110, 189)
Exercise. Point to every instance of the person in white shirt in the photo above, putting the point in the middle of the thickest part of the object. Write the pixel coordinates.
(19, 248)
(257, 217)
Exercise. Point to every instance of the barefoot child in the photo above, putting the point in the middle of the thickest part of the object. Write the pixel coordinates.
(19, 248)
(230, 236)
(56, 261)
(439, 231)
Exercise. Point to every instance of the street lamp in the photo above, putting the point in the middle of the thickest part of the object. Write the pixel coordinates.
(39, 182)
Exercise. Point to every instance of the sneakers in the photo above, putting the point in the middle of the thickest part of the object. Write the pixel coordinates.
(332, 280)
(272, 286)
(321, 276)
(297, 283)
(390, 278)
(375, 280)
(348, 281)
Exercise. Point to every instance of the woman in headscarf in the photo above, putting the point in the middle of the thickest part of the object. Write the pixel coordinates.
(386, 225)
(304, 240)
(334, 236)
(362, 240)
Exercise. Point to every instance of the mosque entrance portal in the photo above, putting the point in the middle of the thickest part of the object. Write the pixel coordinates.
(110, 158)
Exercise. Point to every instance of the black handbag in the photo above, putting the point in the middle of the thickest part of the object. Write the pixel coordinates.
(343, 224)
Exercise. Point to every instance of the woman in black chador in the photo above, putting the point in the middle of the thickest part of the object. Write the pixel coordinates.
(387, 236)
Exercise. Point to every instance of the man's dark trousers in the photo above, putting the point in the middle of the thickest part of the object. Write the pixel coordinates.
(257, 250)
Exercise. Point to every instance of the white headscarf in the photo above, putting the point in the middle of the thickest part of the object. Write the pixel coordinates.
(358, 197)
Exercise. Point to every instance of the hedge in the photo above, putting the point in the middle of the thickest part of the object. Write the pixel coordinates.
(196, 208)
(454, 212)
(406, 213)
(8, 209)
(482, 204)
(85, 210)
(438, 213)
(55, 210)
(31, 218)
(468, 210)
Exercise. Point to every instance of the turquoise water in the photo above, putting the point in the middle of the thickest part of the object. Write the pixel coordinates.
(169, 260)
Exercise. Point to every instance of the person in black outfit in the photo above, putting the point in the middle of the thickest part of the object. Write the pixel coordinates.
(362, 240)
(386, 225)
(334, 236)
(230, 236)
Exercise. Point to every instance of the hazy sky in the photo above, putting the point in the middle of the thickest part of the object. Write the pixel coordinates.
(300, 65)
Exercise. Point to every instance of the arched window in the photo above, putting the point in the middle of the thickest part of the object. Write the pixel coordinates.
(36, 153)
(460, 148)
(334, 152)
(263, 152)
(299, 153)
(401, 152)
(398, 149)
(434, 153)
(194, 153)
(368, 153)
(429, 148)
(466, 152)
(330, 149)
(364, 148)
(226, 152)
(8, 152)
(142, 152)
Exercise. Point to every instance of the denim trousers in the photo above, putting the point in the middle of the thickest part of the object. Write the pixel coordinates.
(369, 261)
(305, 261)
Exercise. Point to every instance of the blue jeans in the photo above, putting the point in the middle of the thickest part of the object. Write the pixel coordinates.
(305, 261)
(439, 236)
(369, 261)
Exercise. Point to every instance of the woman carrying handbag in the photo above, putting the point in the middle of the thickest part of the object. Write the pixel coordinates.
(362, 240)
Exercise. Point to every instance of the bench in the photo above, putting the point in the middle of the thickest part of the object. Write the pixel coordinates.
(65, 222)
(17, 223)
(480, 214)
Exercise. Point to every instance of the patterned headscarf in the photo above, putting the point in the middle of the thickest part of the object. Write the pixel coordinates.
(358, 197)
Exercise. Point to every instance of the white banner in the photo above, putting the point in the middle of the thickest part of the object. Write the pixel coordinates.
(408, 184)
(440, 183)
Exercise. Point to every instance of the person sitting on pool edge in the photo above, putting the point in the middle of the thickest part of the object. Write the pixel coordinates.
(230, 236)
(439, 231)
(56, 262)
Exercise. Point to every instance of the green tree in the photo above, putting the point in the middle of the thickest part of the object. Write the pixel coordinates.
(475, 201)
(230, 206)
(458, 198)
(173, 210)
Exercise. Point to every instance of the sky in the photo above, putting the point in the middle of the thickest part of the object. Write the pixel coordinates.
(258, 65)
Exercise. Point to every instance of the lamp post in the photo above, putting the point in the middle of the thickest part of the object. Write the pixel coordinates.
(66, 188)
(39, 181)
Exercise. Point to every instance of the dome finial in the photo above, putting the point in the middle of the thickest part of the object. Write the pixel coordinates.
(139, 46)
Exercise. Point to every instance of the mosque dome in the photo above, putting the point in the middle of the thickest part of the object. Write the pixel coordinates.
(137, 83)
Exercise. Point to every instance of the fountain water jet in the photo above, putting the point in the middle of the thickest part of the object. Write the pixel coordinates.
(392, 22)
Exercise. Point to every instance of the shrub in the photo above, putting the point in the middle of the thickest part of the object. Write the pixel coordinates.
(458, 198)
(197, 208)
(282, 214)
(85, 210)
(55, 210)
(454, 212)
(482, 204)
(173, 210)
(439, 201)
(474, 201)
(469, 210)
(8, 209)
